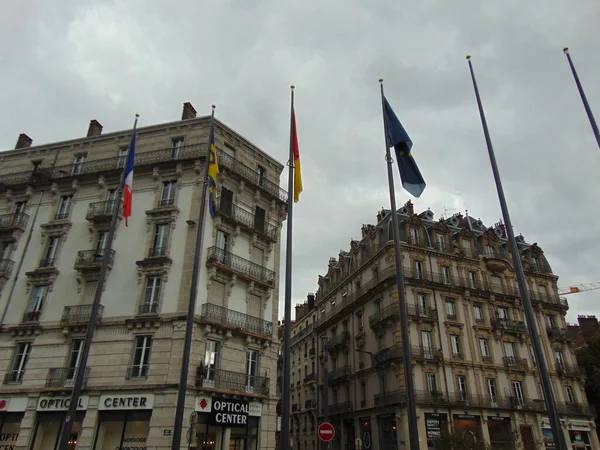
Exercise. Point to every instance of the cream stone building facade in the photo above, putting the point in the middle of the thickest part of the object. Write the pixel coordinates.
(56, 202)
(473, 363)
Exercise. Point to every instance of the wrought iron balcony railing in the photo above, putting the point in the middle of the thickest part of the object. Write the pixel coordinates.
(59, 377)
(79, 314)
(87, 259)
(310, 404)
(576, 409)
(46, 263)
(164, 202)
(6, 267)
(513, 362)
(31, 316)
(431, 397)
(140, 371)
(569, 370)
(390, 398)
(235, 381)
(234, 319)
(557, 333)
(248, 219)
(310, 377)
(14, 376)
(240, 265)
(338, 340)
(101, 210)
(340, 372)
(340, 408)
(157, 252)
(14, 220)
(148, 308)
(510, 325)
(251, 175)
(388, 354)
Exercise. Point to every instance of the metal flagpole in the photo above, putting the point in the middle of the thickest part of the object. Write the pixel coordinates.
(189, 323)
(558, 436)
(586, 105)
(87, 342)
(413, 430)
(284, 442)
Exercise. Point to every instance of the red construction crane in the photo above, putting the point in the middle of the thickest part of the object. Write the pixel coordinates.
(578, 288)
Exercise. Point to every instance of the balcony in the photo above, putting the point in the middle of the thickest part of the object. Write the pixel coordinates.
(568, 370)
(14, 376)
(464, 400)
(63, 377)
(548, 300)
(310, 377)
(6, 268)
(148, 308)
(557, 333)
(576, 409)
(340, 372)
(31, 316)
(390, 398)
(79, 314)
(13, 222)
(388, 354)
(91, 260)
(513, 362)
(232, 381)
(497, 261)
(248, 220)
(46, 269)
(236, 320)
(509, 326)
(295, 407)
(338, 341)
(431, 397)
(249, 174)
(340, 408)
(310, 404)
(240, 266)
(101, 212)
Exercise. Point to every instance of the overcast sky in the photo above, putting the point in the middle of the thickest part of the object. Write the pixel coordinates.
(68, 61)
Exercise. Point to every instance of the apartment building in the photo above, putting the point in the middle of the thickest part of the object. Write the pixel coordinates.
(473, 364)
(56, 201)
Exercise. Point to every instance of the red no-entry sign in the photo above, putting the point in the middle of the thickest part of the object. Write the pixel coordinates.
(326, 432)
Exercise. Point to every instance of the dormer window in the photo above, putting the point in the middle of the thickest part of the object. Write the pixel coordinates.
(535, 263)
(78, 164)
(489, 250)
(414, 235)
(441, 242)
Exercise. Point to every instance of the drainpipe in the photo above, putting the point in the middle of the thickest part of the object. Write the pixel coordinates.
(439, 328)
(27, 241)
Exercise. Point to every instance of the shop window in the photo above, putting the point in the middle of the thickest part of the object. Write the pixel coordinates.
(122, 429)
(10, 425)
(48, 429)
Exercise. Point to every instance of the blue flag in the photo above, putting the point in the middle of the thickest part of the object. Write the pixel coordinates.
(397, 137)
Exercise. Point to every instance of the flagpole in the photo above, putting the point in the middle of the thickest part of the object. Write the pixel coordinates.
(87, 341)
(586, 105)
(413, 426)
(557, 434)
(284, 441)
(189, 324)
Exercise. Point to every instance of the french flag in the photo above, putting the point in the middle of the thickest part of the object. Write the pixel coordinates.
(127, 189)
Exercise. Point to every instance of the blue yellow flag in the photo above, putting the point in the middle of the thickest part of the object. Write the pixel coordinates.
(397, 137)
(213, 171)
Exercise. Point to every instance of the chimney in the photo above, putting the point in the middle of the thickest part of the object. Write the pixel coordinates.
(310, 298)
(23, 141)
(588, 325)
(299, 311)
(188, 111)
(95, 128)
(411, 210)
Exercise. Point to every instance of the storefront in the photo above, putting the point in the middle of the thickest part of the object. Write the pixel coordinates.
(225, 424)
(123, 421)
(365, 433)
(436, 426)
(388, 439)
(501, 435)
(50, 418)
(547, 436)
(579, 434)
(467, 425)
(12, 410)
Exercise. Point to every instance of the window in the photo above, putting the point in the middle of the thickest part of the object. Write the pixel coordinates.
(73, 362)
(450, 309)
(64, 208)
(211, 361)
(485, 350)
(262, 176)
(141, 357)
(111, 201)
(151, 295)
(422, 304)
(489, 251)
(541, 391)
(473, 280)
(15, 375)
(492, 391)
(122, 159)
(509, 349)
(414, 235)
(533, 356)
(535, 265)
(461, 382)
(382, 384)
(518, 392)
(363, 394)
(223, 241)
(551, 321)
(360, 319)
(560, 360)
(176, 147)
(441, 242)
(569, 394)
(101, 245)
(161, 240)
(502, 314)
(36, 303)
(419, 270)
(432, 382)
(252, 366)
(478, 312)
(260, 219)
(78, 164)
(167, 197)
(6, 250)
(51, 252)
(20, 207)
(446, 274)
(427, 341)
(456, 348)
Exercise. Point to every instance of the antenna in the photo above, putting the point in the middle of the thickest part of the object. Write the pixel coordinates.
(448, 209)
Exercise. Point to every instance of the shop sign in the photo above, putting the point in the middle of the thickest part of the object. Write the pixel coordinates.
(229, 413)
(546, 422)
(498, 419)
(60, 403)
(433, 426)
(126, 402)
(578, 425)
(13, 404)
(204, 404)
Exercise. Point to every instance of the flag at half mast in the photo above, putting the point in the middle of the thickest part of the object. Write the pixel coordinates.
(213, 171)
(297, 168)
(128, 187)
(397, 137)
